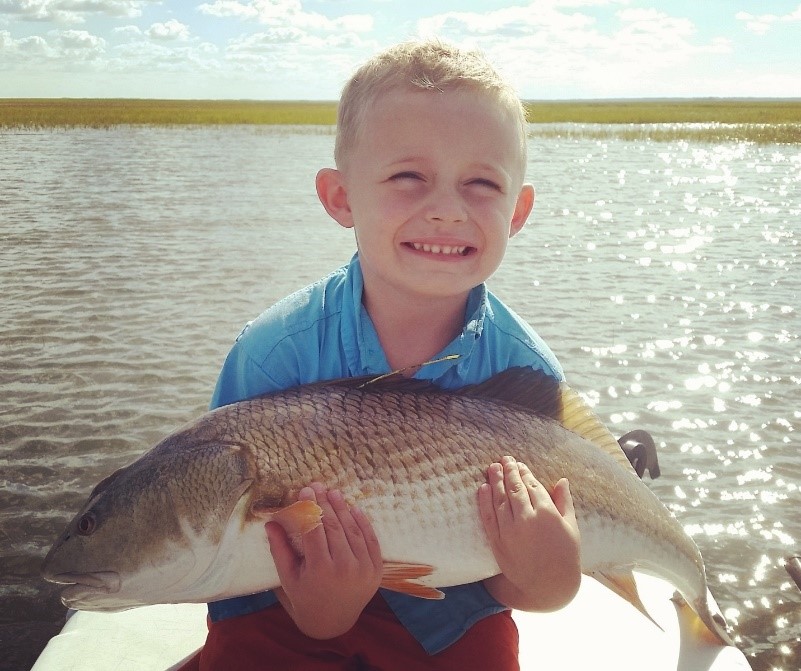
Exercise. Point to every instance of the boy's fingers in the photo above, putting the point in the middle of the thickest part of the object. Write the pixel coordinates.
(346, 532)
(495, 480)
(537, 493)
(371, 543)
(281, 549)
(316, 542)
(563, 499)
(525, 492)
(486, 507)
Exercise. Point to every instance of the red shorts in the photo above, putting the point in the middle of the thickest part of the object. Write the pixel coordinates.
(268, 640)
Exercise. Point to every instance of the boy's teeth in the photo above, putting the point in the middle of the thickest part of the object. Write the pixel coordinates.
(438, 249)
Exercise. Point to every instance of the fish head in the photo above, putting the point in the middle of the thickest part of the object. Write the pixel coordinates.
(148, 532)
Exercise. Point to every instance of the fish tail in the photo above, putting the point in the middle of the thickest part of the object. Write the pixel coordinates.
(703, 620)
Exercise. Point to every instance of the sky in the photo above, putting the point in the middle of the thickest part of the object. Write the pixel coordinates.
(305, 49)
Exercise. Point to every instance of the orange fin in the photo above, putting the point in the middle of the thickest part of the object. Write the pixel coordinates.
(624, 585)
(297, 519)
(403, 577)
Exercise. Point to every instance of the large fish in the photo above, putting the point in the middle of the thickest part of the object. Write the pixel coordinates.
(185, 522)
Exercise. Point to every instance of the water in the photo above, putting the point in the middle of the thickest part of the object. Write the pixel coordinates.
(665, 277)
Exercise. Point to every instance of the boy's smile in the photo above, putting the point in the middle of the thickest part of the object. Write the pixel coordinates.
(446, 249)
(433, 188)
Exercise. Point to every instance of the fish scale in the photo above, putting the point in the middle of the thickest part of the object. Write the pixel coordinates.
(410, 455)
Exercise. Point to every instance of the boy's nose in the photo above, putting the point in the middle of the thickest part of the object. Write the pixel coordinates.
(445, 208)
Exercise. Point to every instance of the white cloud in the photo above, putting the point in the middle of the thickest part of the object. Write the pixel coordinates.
(503, 22)
(762, 23)
(293, 41)
(229, 8)
(546, 46)
(70, 11)
(79, 44)
(26, 47)
(549, 48)
(59, 49)
(757, 24)
(127, 31)
(169, 31)
(287, 13)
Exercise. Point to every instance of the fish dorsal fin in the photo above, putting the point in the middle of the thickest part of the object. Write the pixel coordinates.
(521, 386)
(524, 387)
(579, 418)
(544, 395)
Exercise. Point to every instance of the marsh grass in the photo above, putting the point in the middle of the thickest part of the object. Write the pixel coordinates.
(711, 133)
(705, 120)
(702, 120)
(655, 111)
(104, 113)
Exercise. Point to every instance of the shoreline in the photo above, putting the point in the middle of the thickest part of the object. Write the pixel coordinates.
(762, 121)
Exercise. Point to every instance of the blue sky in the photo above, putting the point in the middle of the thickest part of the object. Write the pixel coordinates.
(304, 49)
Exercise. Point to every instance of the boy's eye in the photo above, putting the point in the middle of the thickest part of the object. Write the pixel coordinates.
(488, 183)
(405, 175)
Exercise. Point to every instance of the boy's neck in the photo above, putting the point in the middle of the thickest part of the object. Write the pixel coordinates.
(412, 332)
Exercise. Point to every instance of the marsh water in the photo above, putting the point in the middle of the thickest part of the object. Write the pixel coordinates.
(665, 276)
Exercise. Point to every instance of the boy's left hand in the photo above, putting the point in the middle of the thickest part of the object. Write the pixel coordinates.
(534, 537)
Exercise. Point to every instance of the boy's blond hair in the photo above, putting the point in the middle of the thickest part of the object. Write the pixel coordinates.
(420, 65)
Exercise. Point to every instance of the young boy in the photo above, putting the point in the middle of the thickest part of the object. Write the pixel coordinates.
(430, 155)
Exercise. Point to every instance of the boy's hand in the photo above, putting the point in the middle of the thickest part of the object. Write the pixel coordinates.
(534, 537)
(326, 589)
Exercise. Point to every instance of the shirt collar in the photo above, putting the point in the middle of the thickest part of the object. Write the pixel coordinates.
(362, 347)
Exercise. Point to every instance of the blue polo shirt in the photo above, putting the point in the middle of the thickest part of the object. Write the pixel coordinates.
(323, 332)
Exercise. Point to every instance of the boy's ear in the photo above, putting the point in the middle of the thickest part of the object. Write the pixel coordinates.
(334, 197)
(525, 201)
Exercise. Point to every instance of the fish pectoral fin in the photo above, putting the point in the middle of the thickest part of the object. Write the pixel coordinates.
(625, 586)
(404, 577)
(297, 518)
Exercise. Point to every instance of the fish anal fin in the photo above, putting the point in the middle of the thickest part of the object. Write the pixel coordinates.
(297, 518)
(404, 577)
(625, 586)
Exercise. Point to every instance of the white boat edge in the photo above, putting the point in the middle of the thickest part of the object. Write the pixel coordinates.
(597, 628)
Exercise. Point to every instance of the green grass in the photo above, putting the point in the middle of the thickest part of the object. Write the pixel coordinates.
(104, 113)
(704, 120)
(716, 120)
(690, 110)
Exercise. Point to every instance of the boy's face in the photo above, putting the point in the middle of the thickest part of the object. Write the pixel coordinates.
(433, 188)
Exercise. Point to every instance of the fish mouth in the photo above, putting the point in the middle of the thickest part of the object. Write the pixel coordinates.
(83, 586)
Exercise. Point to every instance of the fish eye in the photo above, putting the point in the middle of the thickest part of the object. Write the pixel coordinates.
(87, 524)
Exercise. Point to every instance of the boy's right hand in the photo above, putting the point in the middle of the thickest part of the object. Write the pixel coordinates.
(326, 588)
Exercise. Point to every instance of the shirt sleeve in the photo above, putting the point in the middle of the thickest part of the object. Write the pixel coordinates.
(241, 378)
